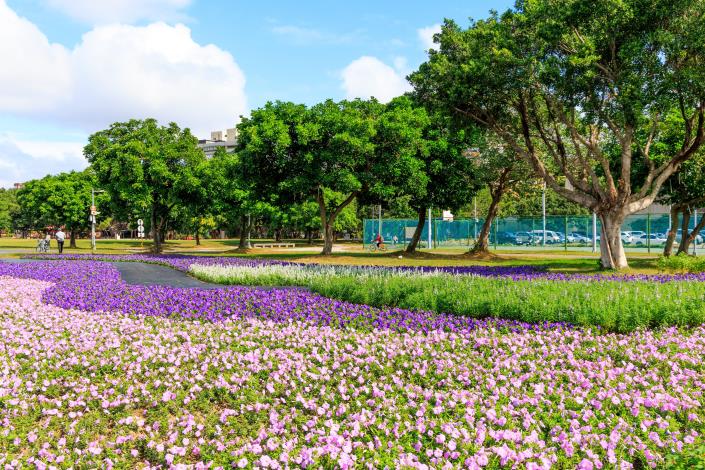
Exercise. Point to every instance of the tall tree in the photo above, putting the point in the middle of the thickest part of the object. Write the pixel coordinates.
(685, 193)
(579, 89)
(146, 168)
(500, 171)
(269, 147)
(339, 158)
(450, 174)
(59, 200)
(8, 208)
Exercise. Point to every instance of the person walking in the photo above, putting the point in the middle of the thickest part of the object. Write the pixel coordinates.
(60, 237)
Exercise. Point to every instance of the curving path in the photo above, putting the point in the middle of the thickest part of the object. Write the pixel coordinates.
(143, 274)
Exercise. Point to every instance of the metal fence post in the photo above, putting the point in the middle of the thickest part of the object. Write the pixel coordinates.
(648, 232)
(695, 240)
(435, 233)
(429, 235)
(495, 233)
(565, 233)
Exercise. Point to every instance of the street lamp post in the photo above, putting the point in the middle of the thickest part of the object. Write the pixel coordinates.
(94, 212)
(543, 211)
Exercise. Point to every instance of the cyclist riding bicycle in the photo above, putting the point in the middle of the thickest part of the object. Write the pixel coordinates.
(379, 240)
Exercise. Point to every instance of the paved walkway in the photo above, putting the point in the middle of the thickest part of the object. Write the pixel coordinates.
(144, 274)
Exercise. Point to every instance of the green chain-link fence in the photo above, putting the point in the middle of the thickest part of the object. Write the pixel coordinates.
(645, 232)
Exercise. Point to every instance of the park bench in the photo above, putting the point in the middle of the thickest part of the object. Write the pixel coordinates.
(274, 245)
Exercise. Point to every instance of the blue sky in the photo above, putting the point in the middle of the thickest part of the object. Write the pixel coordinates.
(75, 66)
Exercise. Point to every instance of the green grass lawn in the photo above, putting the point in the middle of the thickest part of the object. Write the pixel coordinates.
(554, 259)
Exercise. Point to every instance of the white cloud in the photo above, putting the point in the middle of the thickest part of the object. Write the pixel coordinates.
(426, 35)
(120, 11)
(34, 73)
(22, 161)
(155, 71)
(368, 76)
(118, 72)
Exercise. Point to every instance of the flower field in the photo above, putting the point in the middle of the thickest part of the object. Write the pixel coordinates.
(615, 303)
(97, 373)
(612, 302)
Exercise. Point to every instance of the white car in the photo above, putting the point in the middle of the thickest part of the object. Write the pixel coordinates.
(551, 236)
(580, 238)
(653, 239)
(627, 237)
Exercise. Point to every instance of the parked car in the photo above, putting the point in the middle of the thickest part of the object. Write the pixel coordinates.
(525, 238)
(581, 238)
(562, 236)
(507, 238)
(551, 236)
(627, 237)
(636, 234)
(654, 239)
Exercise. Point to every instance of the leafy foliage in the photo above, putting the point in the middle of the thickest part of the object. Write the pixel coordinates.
(58, 200)
(146, 169)
(579, 90)
(8, 208)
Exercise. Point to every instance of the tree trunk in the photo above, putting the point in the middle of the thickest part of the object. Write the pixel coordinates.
(327, 226)
(688, 238)
(675, 215)
(245, 229)
(497, 190)
(157, 245)
(309, 236)
(72, 239)
(417, 232)
(278, 234)
(684, 243)
(198, 238)
(482, 244)
(612, 254)
(327, 220)
(327, 238)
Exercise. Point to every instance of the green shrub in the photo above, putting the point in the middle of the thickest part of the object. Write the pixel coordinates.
(682, 263)
(613, 305)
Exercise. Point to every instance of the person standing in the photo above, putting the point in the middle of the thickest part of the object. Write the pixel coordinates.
(60, 237)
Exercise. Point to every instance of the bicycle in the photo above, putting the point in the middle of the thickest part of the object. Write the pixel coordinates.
(372, 247)
(43, 246)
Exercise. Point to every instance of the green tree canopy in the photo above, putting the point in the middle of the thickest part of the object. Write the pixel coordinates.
(8, 209)
(147, 169)
(332, 153)
(579, 89)
(61, 200)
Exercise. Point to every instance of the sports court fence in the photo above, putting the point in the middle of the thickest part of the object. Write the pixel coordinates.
(642, 232)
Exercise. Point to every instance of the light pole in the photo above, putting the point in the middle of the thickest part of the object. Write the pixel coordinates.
(430, 214)
(94, 212)
(543, 211)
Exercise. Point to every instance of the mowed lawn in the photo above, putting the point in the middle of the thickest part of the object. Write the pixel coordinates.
(352, 253)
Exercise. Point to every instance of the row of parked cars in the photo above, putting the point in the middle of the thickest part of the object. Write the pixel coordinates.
(536, 237)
